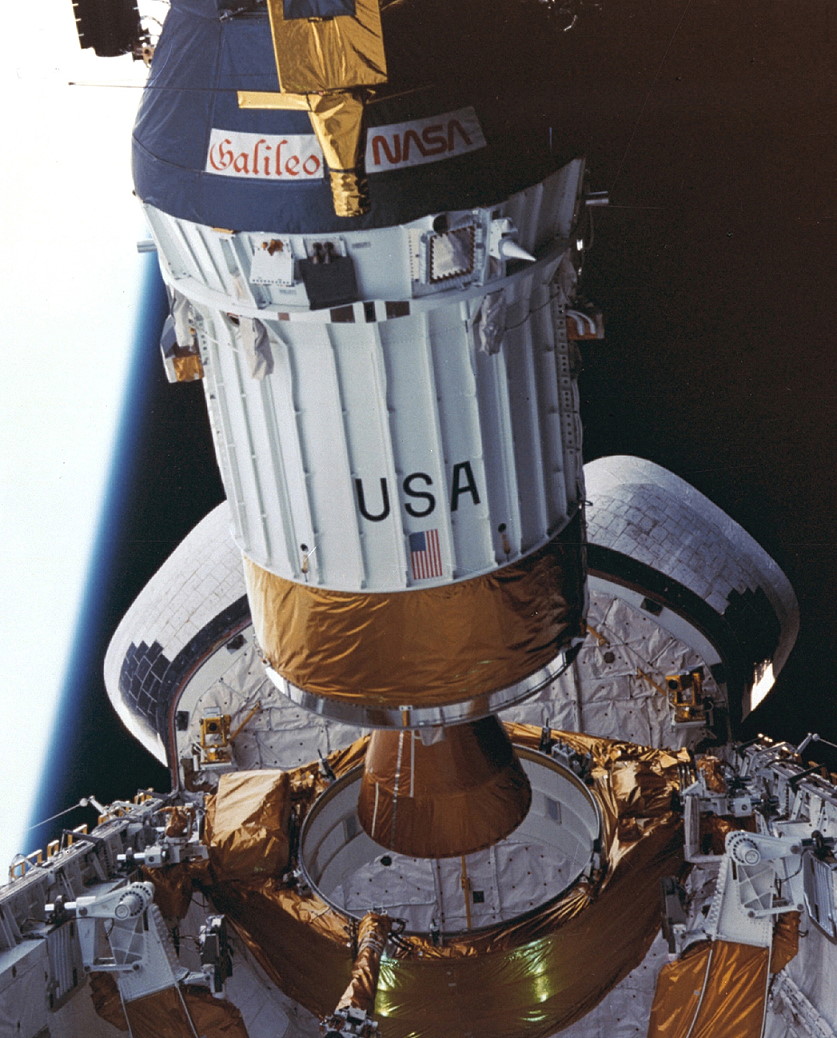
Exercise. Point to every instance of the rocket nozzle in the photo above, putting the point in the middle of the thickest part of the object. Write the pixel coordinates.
(458, 792)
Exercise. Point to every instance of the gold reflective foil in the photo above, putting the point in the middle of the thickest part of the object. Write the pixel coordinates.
(170, 1013)
(428, 647)
(349, 192)
(785, 940)
(532, 977)
(371, 939)
(246, 824)
(160, 1015)
(106, 1001)
(213, 1017)
(332, 54)
(300, 942)
(188, 368)
(716, 990)
(713, 775)
(337, 120)
(274, 100)
(459, 794)
(523, 979)
(172, 889)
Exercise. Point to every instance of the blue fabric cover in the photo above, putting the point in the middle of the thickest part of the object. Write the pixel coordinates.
(205, 56)
(318, 8)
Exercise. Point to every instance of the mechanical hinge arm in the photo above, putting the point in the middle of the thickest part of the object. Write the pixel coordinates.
(760, 877)
(352, 1018)
(121, 931)
(109, 927)
(174, 842)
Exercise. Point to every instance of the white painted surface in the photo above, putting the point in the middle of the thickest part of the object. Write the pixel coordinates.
(649, 514)
(544, 855)
(372, 427)
(197, 582)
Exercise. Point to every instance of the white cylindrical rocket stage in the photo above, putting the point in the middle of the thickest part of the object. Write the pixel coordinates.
(412, 457)
(390, 384)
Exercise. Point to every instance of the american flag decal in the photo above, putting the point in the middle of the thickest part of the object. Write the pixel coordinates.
(425, 554)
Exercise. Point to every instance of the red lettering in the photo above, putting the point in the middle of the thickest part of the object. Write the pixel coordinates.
(434, 138)
(256, 149)
(380, 142)
(395, 148)
(455, 124)
(290, 158)
(409, 137)
(221, 154)
(278, 158)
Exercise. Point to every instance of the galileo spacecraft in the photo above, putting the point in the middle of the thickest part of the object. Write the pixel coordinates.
(449, 715)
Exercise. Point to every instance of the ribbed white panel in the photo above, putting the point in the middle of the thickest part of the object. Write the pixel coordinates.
(172, 261)
(365, 426)
(222, 260)
(569, 414)
(364, 433)
(218, 344)
(326, 450)
(526, 431)
(412, 411)
(460, 428)
(371, 427)
(280, 420)
(547, 359)
(501, 473)
(547, 210)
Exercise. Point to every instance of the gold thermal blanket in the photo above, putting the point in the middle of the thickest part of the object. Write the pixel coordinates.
(523, 979)
(458, 794)
(428, 646)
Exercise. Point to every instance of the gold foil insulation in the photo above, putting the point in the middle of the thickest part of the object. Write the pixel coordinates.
(187, 368)
(713, 775)
(785, 940)
(320, 55)
(338, 122)
(526, 978)
(246, 824)
(170, 1013)
(458, 794)
(328, 65)
(716, 990)
(371, 940)
(173, 886)
(432, 646)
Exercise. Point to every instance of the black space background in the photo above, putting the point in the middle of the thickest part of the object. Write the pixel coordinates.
(712, 125)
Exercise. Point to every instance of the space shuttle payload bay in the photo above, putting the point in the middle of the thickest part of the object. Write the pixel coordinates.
(449, 709)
